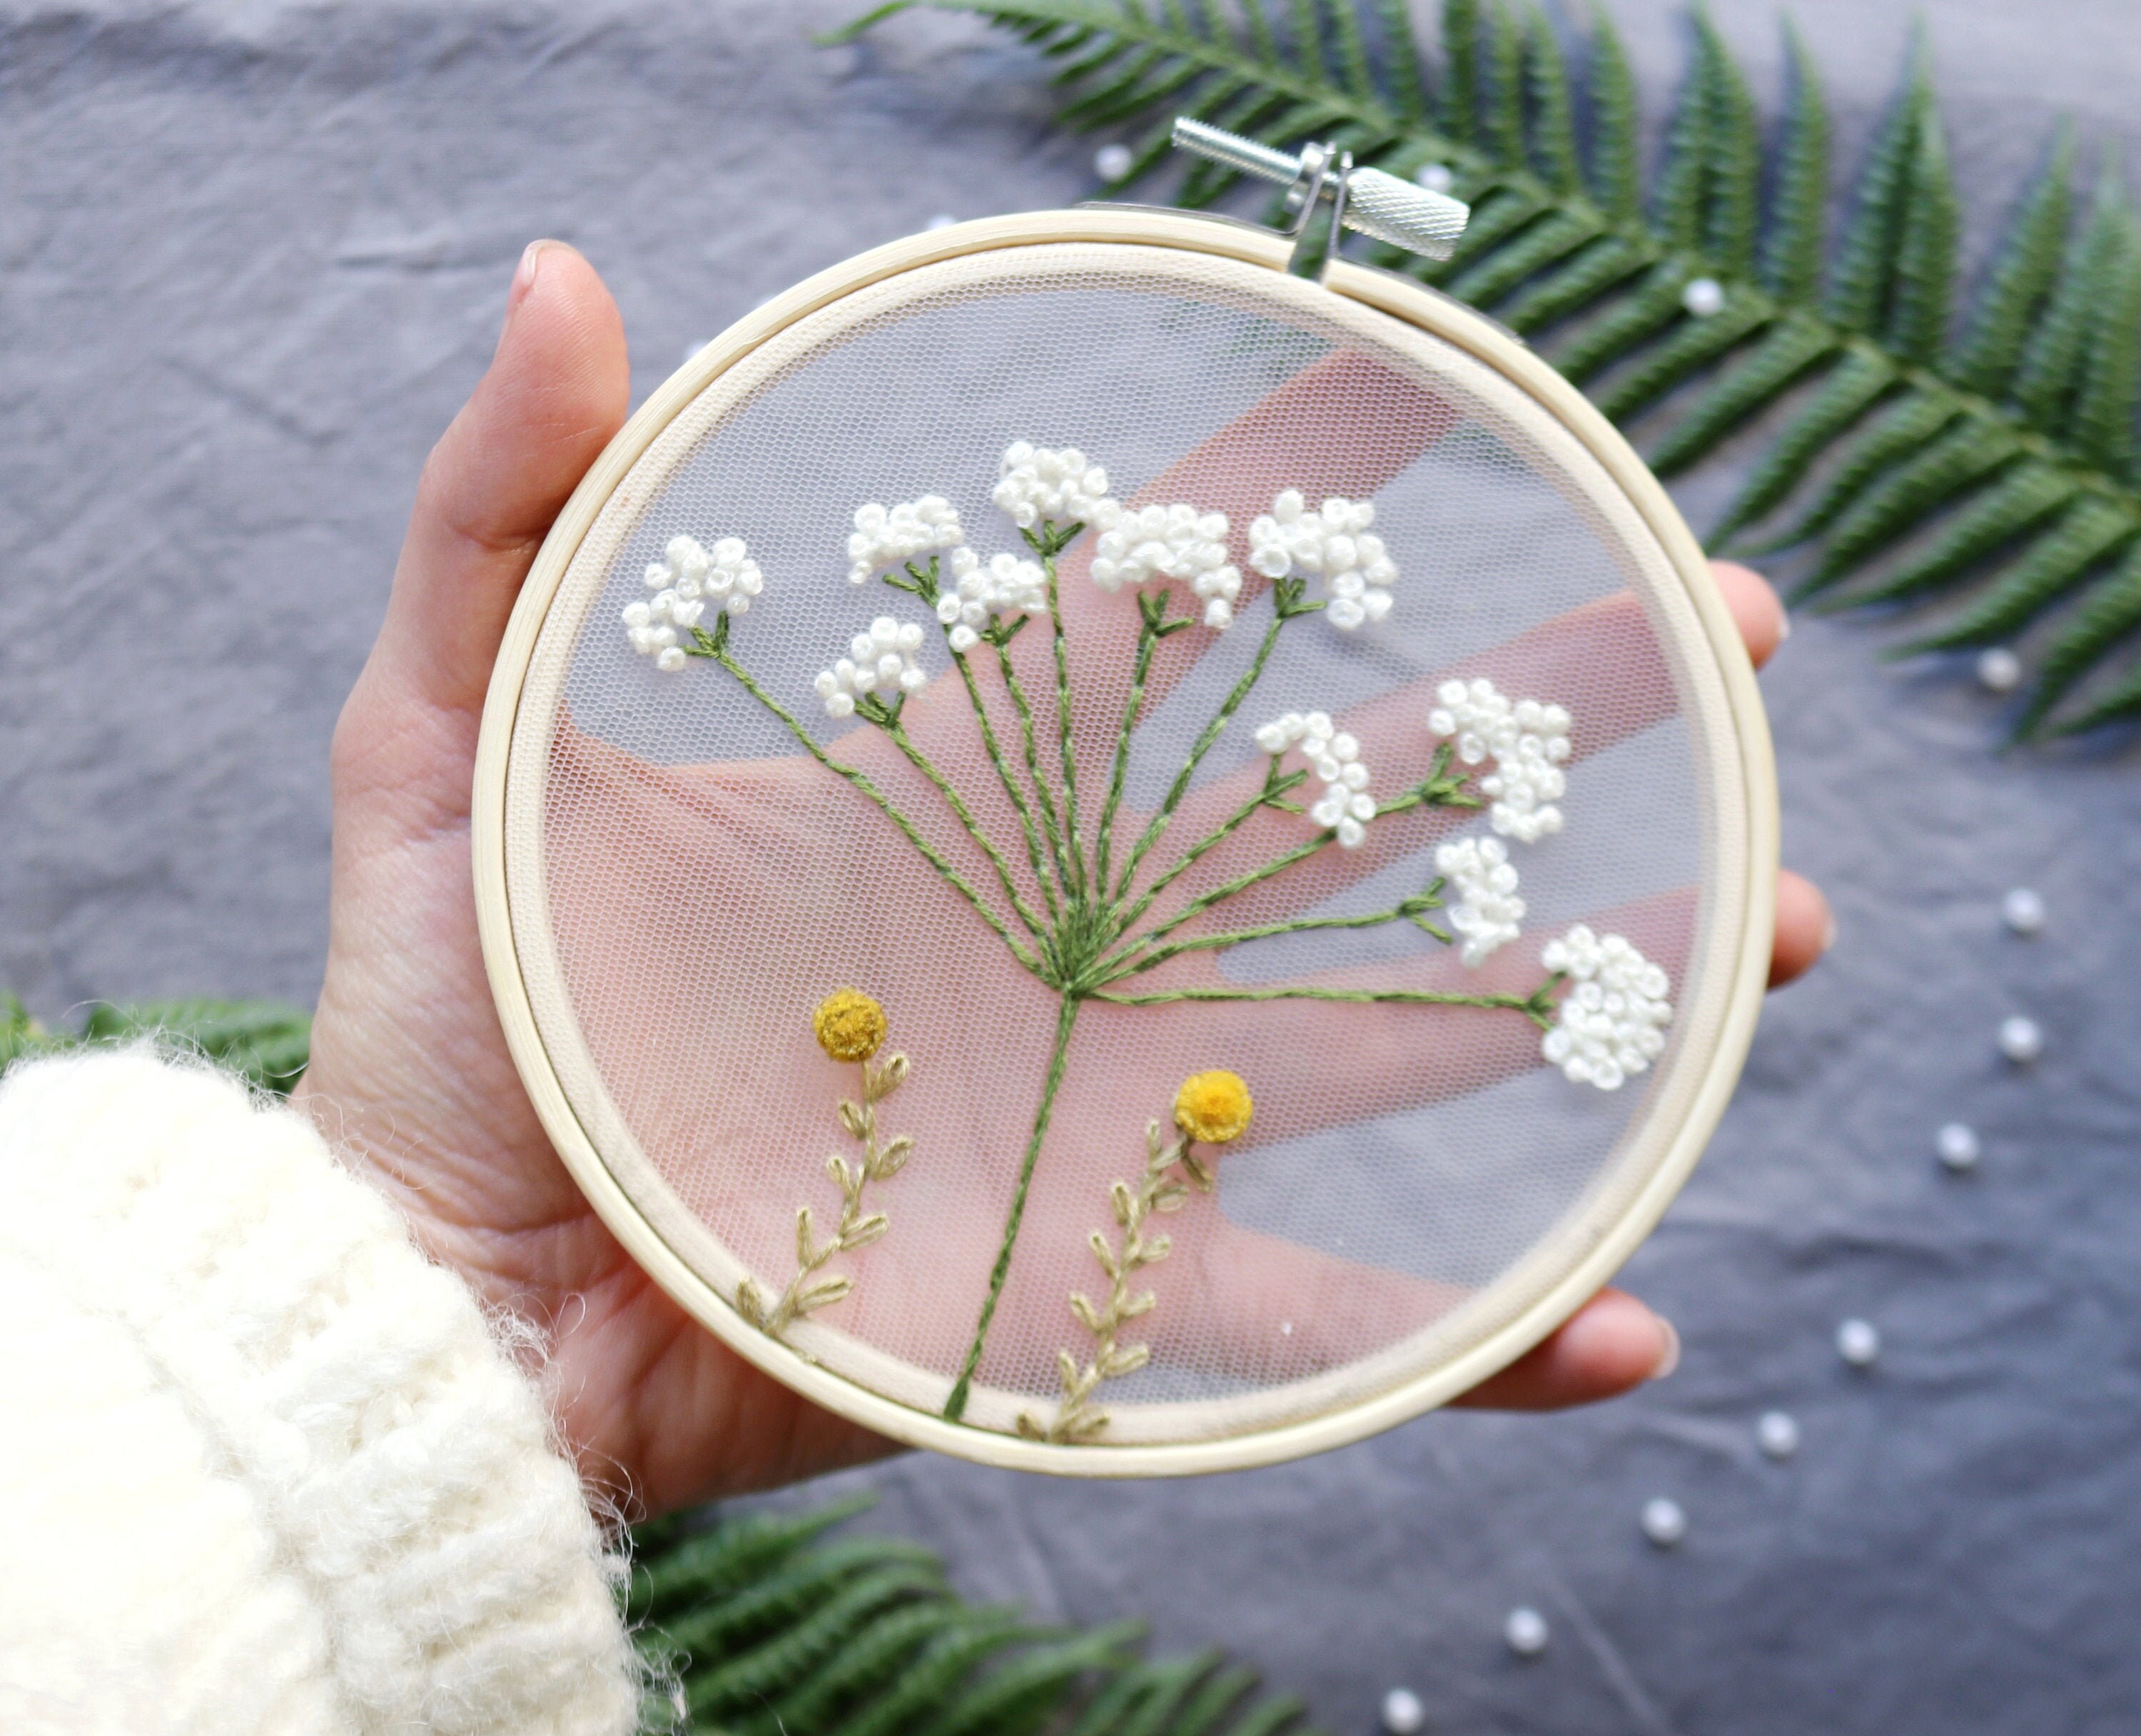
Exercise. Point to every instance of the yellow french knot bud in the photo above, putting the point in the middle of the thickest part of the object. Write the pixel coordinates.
(849, 1025)
(1213, 1107)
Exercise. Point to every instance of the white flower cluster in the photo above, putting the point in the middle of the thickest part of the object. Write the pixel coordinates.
(1334, 757)
(1171, 542)
(1334, 542)
(685, 580)
(888, 537)
(1611, 1026)
(1529, 741)
(1057, 484)
(882, 662)
(975, 590)
(1488, 911)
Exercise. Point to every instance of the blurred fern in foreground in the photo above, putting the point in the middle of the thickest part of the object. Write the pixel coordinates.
(1922, 457)
(265, 1040)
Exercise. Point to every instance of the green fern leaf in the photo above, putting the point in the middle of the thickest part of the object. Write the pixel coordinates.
(1307, 33)
(1924, 288)
(1678, 216)
(1402, 72)
(1269, 1717)
(1167, 1685)
(1851, 388)
(778, 1664)
(2019, 502)
(716, 1562)
(2056, 563)
(1205, 1710)
(1042, 1672)
(2052, 360)
(1546, 242)
(1502, 132)
(2028, 265)
(2110, 390)
(1494, 220)
(2110, 612)
(1792, 348)
(1647, 310)
(1899, 430)
(1604, 266)
(1908, 495)
(1733, 175)
(935, 1676)
(1460, 69)
(2122, 704)
(867, 1664)
(1553, 111)
(1692, 347)
(1616, 127)
(783, 1596)
(1860, 287)
(1352, 44)
(1798, 231)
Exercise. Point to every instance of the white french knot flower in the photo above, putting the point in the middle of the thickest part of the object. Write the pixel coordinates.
(1171, 542)
(688, 580)
(974, 590)
(887, 537)
(1058, 485)
(1345, 807)
(1488, 912)
(1333, 542)
(1611, 1022)
(880, 661)
(1529, 740)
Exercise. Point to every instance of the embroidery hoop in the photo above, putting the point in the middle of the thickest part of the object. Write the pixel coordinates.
(1559, 1272)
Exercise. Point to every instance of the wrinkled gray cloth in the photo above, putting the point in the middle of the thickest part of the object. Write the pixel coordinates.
(253, 258)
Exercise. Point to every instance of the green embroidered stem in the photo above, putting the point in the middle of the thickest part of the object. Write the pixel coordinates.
(1011, 787)
(1104, 839)
(1285, 595)
(1049, 820)
(715, 645)
(955, 1407)
(1276, 785)
(1414, 910)
(1074, 845)
(957, 803)
(1535, 1006)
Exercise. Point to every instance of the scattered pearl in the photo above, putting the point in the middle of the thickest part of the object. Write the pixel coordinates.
(1112, 162)
(1703, 297)
(1664, 1521)
(1777, 1434)
(1998, 670)
(2023, 911)
(1403, 1714)
(1435, 177)
(1958, 1147)
(942, 220)
(2020, 1040)
(1858, 1343)
(1525, 1631)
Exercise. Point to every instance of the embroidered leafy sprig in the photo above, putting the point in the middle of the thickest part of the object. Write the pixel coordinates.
(1921, 456)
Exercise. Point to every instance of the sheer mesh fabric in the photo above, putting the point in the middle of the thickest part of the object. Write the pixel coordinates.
(687, 884)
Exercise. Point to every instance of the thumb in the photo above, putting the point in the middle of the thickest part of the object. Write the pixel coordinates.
(553, 395)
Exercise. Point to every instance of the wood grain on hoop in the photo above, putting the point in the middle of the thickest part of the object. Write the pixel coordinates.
(1582, 1256)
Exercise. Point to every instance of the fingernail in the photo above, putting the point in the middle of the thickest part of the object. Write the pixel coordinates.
(1668, 1357)
(523, 279)
(1828, 929)
(1784, 625)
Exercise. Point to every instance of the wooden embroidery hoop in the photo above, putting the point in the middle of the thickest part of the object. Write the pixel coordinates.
(1583, 1254)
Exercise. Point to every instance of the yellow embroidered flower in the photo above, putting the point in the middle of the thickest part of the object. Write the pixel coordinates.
(849, 1025)
(1213, 1107)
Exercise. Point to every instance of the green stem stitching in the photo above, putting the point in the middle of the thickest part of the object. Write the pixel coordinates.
(957, 803)
(1048, 545)
(1049, 820)
(1538, 1007)
(715, 645)
(955, 1407)
(1276, 785)
(1413, 909)
(1011, 787)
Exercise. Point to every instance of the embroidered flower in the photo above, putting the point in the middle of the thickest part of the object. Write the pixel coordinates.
(1527, 740)
(1334, 543)
(1171, 542)
(890, 536)
(881, 661)
(1346, 807)
(975, 590)
(685, 580)
(1213, 1107)
(849, 1024)
(1611, 1026)
(1488, 911)
(1053, 486)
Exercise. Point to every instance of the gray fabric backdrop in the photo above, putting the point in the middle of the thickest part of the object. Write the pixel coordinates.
(252, 256)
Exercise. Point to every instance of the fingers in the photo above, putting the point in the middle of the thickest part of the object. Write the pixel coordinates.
(1612, 1344)
(1755, 609)
(1805, 928)
(555, 392)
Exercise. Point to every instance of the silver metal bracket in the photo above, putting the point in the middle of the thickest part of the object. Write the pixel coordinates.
(1366, 200)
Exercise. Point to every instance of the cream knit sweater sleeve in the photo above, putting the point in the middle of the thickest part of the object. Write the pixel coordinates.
(262, 1467)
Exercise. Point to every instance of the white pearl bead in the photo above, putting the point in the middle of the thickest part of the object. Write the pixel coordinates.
(1435, 177)
(1403, 1714)
(1112, 162)
(1664, 1521)
(2023, 911)
(1525, 1631)
(2020, 1040)
(1998, 670)
(1858, 1343)
(1703, 297)
(1958, 1148)
(1777, 1434)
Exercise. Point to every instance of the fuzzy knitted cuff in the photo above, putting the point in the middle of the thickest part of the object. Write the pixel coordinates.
(263, 1466)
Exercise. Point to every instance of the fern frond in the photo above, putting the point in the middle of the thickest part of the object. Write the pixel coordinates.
(1402, 71)
(1461, 70)
(1553, 110)
(1799, 224)
(1646, 311)
(2019, 502)
(2028, 265)
(1617, 183)
(1544, 244)
(1901, 429)
(1693, 346)
(1922, 290)
(2056, 563)
(1677, 215)
(1792, 348)
(1969, 451)
(1732, 213)
(1038, 1675)
(2110, 390)
(1502, 110)
(1851, 388)
(2052, 360)
(1602, 267)
(265, 1041)
(1858, 287)
(2110, 612)
(2122, 704)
